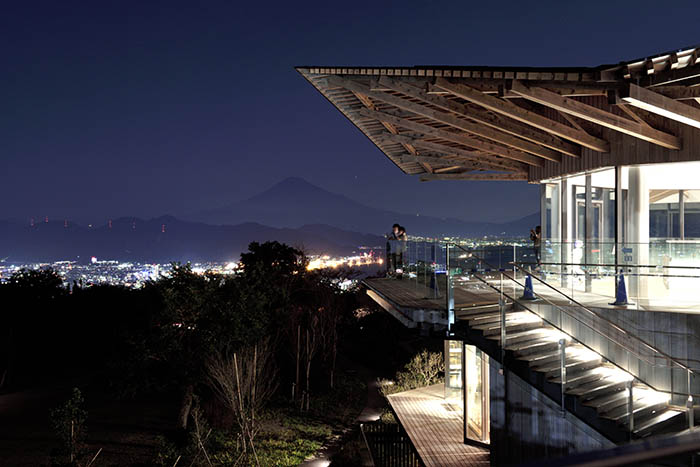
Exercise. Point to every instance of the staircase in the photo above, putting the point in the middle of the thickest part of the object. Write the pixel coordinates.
(530, 342)
(589, 378)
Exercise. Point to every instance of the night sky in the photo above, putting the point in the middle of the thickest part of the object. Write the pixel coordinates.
(146, 108)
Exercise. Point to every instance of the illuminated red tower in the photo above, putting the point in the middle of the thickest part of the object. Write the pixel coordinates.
(162, 228)
(109, 224)
(31, 222)
(46, 220)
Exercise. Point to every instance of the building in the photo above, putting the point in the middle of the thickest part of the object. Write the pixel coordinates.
(615, 150)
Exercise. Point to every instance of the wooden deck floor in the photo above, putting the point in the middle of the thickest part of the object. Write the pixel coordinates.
(410, 294)
(435, 431)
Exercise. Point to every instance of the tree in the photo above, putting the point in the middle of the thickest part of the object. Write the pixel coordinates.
(69, 424)
(182, 340)
(245, 380)
(29, 322)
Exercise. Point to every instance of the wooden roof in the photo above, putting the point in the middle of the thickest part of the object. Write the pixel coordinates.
(508, 123)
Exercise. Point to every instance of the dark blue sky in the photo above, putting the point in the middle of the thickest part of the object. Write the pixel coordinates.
(146, 108)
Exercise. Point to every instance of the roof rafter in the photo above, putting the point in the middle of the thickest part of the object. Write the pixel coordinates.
(670, 76)
(465, 139)
(367, 102)
(654, 102)
(473, 176)
(596, 115)
(516, 112)
(459, 138)
(496, 128)
(485, 160)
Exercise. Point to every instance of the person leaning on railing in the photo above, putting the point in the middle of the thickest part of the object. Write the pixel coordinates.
(397, 241)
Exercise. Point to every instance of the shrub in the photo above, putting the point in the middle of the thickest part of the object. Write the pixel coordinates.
(424, 369)
(68, 421)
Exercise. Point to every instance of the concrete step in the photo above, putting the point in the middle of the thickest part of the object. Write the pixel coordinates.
(510, 328)
(646, 426)
(524, 336)
(553, 369)
(640, 409)
(597, 388)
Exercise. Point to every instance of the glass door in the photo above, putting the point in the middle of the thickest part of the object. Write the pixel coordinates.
(476, 396)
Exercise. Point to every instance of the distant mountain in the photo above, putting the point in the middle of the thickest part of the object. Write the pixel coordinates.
(294, 202)
(164, 239)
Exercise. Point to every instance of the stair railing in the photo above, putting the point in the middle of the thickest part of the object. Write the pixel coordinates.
(599, 325)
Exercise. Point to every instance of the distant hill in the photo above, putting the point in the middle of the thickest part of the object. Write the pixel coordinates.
(132, 239)
(294, 202)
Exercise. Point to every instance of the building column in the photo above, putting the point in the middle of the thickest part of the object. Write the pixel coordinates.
(619, 234)
(681, 213)
(543, 211)
(588, 241)
(638, 231)
(564, 230)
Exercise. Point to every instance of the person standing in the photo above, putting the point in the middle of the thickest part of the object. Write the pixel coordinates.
(397, 245)
(536, 237)
(402, 242)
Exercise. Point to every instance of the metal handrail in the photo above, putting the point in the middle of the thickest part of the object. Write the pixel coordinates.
(596, 315)
(558, 328)
(604, 265)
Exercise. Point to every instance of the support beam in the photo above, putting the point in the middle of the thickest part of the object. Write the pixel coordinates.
(367, 102)
(512, 128)
(459, 138)
(475, 176)
(465, 139)
(468, 126)
(435, 160)
(679, 93)
(596, 115)
(486, 161)
(678, 76)
(513, 111)
(661, 105)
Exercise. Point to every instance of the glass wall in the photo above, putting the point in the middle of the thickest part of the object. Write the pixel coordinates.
(658, 234)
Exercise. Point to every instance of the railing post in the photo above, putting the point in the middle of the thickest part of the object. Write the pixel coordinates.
(502, 309)
(449, 292)
(689, 404)
(630, 406)
(562, 372)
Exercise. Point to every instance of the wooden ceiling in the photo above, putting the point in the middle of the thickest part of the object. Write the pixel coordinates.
(489, 123)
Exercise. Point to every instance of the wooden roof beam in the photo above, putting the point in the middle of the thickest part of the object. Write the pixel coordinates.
(516, 112)
(676, 75)
(434, 160)
(505, 129)
(459, 138)
(468, 126)
(367, 102)
(468, 140)
(484, 160)
(475, 176)
(659, 104)
(679, 93)
(595, 115)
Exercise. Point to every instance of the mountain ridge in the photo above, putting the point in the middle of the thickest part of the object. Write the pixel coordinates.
(294, 202)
